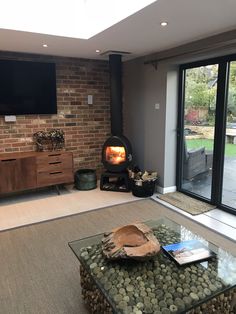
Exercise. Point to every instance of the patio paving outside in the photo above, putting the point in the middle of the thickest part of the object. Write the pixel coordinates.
(201, 184)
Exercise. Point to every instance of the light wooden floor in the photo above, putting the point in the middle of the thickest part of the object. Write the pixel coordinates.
(40, 274)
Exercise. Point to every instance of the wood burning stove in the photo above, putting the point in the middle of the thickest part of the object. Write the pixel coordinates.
(116, 152)
(116, 157)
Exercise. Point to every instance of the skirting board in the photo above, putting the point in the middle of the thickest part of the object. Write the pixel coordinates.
(168, 189)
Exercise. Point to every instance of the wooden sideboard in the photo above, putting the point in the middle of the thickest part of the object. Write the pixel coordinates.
(30, 170)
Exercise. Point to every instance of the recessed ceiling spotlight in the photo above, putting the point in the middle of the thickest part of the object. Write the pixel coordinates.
(45, 45)
(97, 50)
(163, 24)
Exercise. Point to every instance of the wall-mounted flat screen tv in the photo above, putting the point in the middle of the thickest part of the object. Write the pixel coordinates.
(27, 88)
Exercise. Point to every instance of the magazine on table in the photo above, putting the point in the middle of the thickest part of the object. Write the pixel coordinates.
(186, 252)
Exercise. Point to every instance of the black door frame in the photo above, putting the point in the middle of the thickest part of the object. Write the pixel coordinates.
(220, 128)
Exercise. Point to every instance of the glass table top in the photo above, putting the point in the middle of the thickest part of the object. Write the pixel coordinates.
(157, 285)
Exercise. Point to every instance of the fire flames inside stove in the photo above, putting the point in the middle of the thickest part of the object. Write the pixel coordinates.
(115, 154)
(116, 158)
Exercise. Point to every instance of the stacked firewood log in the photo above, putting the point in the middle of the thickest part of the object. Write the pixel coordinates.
(138, 175)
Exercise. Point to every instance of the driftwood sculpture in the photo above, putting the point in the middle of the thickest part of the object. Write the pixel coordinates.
(135, 241)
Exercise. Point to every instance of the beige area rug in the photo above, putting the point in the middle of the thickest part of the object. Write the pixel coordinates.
(30, 211)
(186, 203)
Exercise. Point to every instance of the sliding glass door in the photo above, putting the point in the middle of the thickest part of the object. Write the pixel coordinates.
(199, 128)
(207, 132)
(229, 172)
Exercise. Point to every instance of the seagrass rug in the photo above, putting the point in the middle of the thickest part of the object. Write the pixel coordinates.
(186, 203)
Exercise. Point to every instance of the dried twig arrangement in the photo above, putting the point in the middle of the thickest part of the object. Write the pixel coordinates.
(51, 140)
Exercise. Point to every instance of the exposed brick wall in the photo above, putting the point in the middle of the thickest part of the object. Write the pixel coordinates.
(86, 126)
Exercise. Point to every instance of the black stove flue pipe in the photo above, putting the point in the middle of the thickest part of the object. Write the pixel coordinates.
(115, 66)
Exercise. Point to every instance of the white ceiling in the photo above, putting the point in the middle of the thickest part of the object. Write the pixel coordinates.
(139, 34)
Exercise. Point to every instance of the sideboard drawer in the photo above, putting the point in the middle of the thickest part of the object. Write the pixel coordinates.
(55, 165)
(54, 177)
(56, 158)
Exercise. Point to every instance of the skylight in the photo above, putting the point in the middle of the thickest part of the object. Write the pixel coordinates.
(69, 18)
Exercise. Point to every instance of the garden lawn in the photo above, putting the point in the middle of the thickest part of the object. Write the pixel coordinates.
(230, 149)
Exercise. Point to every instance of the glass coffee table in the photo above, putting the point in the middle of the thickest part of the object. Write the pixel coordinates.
(157, 285)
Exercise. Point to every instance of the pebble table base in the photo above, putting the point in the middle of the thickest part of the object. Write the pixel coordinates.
(97, 303)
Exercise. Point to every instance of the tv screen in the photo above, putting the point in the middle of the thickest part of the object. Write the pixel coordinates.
(27, 88)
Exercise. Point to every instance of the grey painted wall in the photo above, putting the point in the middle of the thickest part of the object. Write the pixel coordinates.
(144, 86)
(171, 128)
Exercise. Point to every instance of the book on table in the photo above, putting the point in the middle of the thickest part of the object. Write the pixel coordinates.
(187, 252)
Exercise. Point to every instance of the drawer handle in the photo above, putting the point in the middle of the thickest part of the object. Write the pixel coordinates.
(55, 172)
(54, 155)
(6, 160)
(54, 162)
